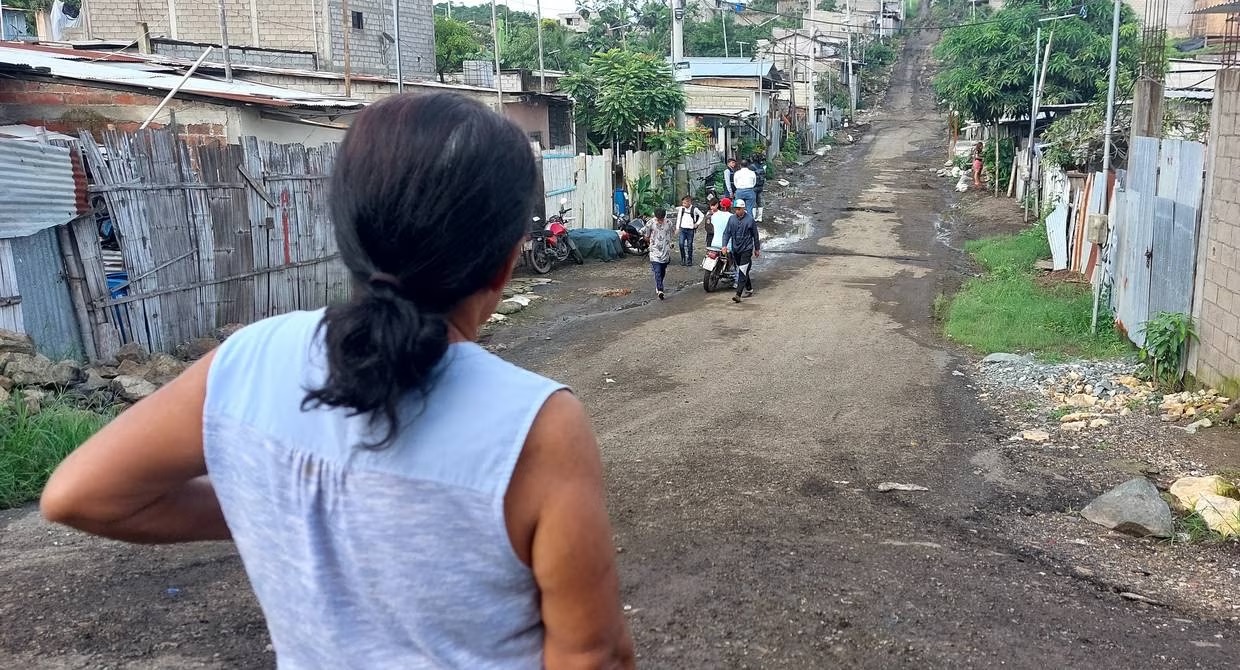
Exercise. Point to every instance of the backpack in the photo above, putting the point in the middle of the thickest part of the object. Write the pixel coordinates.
(760, 170)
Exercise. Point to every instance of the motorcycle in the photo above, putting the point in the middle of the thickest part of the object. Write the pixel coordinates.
(551, 244)
(632, 236)
(717, 267)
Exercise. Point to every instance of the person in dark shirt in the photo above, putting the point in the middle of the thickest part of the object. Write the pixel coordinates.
(742, 233)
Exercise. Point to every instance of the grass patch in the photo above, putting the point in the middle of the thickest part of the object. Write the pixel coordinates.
(1007, 310)
(1194, 529)
(32, 445)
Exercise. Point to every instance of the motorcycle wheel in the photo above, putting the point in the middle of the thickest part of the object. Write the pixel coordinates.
(538, 259)
(574, 252)
(710, 279)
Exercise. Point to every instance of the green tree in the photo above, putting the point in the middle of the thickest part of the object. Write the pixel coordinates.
(454, 42)
(987, 67)
(561, 47)
(620, 93)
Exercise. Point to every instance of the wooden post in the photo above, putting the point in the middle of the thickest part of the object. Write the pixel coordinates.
(144, 38)
(347, 27)
(75, 276)
(996, 159)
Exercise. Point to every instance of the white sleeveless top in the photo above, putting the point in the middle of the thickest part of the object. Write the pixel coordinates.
(397, 558)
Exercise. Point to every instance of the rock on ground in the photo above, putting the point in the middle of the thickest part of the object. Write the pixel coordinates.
(197, 348)
(1005, 358)
(28, 370)
(1133, 507)
(5, 396)
(65, 374)
(132, 352)
(163, 369)
(132, 388)
(507, 308)
(15, 342)
(94, 382)
(1188, 490)
(1221, 514)
(131, 368)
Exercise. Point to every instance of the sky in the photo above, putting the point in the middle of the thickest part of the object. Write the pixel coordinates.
(549, 7)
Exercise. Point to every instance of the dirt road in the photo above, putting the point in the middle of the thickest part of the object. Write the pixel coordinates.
(743, 446)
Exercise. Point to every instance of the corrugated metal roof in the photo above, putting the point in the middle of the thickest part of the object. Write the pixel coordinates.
(83, 66)
(21, 131)
(1222, 8)
(704, 67)
(38, 189)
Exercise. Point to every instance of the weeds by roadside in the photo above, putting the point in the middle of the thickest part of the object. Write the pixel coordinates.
(31, 445)
(1007, 310)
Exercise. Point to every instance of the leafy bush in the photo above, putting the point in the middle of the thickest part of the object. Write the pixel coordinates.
(1167, 336)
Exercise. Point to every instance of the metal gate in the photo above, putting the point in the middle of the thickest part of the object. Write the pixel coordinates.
(559, 167)
(1159, 214)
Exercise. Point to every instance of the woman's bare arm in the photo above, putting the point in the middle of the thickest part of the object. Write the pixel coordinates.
(142, 478)
(557, 516)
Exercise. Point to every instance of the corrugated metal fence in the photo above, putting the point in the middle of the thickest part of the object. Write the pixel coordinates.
(42, 186)
(1157, 216)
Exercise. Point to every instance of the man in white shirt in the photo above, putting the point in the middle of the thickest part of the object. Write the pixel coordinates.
(688, 218)
(746, 182)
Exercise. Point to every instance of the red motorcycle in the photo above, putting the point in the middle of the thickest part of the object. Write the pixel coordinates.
(551, 244)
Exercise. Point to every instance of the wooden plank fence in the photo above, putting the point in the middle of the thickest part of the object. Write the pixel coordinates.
(210, 235)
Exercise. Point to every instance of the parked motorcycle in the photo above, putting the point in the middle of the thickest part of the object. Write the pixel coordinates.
(551, 244)
(633, 236)
(717, 267)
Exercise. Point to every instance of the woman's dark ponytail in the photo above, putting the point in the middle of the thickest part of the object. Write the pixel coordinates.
(430, 196)
(379, 346)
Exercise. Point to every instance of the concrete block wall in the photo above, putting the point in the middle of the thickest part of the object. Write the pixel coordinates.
(371, 53)
(304, 25)
(1217, 304)
(266, 57)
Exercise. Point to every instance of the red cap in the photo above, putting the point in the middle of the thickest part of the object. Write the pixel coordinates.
(725, 203)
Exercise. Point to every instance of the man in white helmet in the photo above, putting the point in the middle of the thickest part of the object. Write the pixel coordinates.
(742, 233)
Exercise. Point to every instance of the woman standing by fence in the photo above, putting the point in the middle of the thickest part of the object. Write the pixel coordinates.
(399, 496)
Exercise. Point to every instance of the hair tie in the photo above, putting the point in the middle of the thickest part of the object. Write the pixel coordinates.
(384, 279)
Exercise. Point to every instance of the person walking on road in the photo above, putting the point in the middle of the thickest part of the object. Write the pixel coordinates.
(399, 496)
(688, 219)
(976, 159)
(742, 234)
(660, 233)
(746, 182)
(728, 187)
(758, 165)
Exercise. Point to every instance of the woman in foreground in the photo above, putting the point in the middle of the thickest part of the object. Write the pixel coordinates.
(400, 497)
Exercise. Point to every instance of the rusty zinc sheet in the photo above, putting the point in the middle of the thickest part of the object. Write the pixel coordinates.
(38, 187)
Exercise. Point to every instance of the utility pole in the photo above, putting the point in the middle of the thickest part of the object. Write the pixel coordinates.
(678, 48)
(542, 69)
(1106, 143)
(723, 20)
(852, 94)
(1111, 75)
(499, 86)
(400, 72)
(347, 27)
(224, 42)
(1033, 114)
(449, 8)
